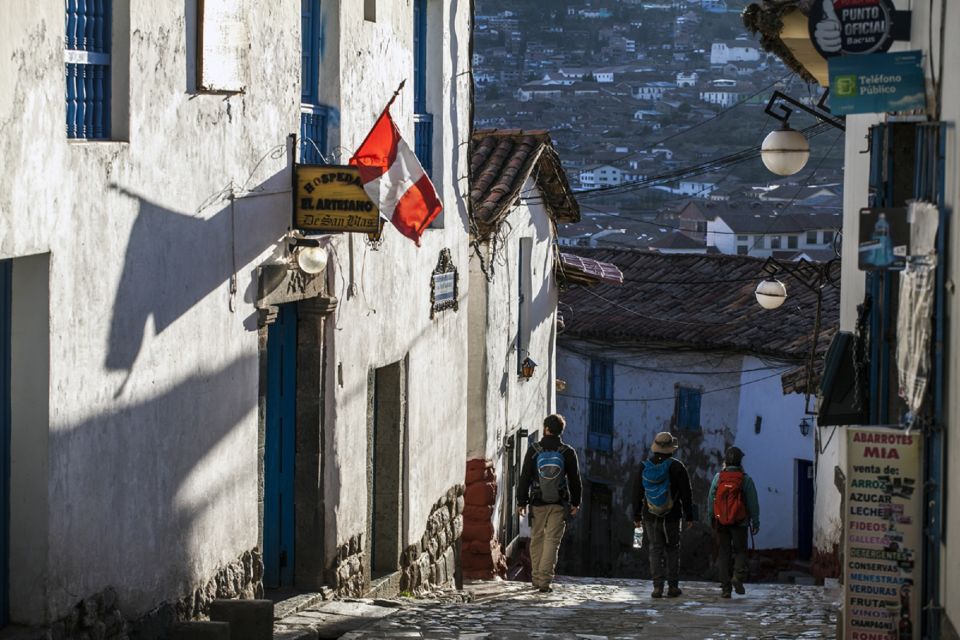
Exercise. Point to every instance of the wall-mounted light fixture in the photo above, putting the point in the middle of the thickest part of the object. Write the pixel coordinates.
(804, 427)
(311, 258)
(771, 293)
(786, 151)
(527, 368)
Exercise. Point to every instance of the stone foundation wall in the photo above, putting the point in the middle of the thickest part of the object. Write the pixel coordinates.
(98, 617)
(349, 568)
(432, 561)
(481, 555)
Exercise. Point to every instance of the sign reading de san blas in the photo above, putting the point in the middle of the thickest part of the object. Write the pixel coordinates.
(331, 198)
(883, 537)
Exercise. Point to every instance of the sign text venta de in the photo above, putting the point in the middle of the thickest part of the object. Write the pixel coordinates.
(331, 198)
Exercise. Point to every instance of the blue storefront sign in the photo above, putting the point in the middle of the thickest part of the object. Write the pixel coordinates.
(877, 83)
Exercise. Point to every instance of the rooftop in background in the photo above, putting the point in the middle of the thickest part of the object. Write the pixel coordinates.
(705, 302)
(500, 163)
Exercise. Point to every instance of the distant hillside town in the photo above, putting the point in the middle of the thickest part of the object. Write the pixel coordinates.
(656, 109)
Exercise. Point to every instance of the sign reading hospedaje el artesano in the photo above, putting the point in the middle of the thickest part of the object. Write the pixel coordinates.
(883, 535)
(331, 198)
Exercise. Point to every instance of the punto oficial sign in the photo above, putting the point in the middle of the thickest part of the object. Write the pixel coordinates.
(331, 198)
(840, 27)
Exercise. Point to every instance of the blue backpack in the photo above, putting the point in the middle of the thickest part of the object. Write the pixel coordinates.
(656, 486)
(551, 483)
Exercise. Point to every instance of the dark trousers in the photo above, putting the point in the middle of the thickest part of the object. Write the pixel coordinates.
(733, 542)
(664, 538)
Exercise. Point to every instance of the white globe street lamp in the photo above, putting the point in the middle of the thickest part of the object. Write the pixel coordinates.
(771, 293)
(312, 260)
(785, 151)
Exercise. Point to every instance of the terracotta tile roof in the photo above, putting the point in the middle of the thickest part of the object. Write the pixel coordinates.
(573, 269)
(697, 301)
(677, 240)
(501, 161)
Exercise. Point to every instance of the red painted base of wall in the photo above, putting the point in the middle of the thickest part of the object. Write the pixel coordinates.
(480, 556)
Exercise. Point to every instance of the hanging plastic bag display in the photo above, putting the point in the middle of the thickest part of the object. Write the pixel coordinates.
(917, 286)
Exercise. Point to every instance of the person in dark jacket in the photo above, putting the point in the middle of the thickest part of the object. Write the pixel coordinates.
(659, 512)
(733, 537)
(550, 503)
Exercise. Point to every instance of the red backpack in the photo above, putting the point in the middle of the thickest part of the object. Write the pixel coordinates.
(728, 504)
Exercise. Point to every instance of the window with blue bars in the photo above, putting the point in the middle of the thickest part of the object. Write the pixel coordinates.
(422, 120)
(87, 61)
(313, 115)
(600, 429)
(687, 408)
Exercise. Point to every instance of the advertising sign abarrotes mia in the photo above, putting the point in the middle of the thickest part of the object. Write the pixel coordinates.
(877, 83)
(883, 535)
(331, 198)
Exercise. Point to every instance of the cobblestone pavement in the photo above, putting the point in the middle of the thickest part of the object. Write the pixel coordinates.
(598, 609)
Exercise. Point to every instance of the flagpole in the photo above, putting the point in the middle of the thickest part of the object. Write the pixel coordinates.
(385, 109)
(393, 97)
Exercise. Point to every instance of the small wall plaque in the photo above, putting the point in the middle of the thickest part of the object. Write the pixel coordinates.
(443, 285)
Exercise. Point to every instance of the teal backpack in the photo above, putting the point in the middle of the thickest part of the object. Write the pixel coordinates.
(656, 486)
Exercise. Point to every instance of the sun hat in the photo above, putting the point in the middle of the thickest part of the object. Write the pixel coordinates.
(664, 442)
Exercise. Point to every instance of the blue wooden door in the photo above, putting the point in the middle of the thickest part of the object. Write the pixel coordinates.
(6, 268)
(804, 509)
(279, 449)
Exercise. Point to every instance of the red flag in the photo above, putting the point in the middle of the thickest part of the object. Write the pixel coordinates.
(395, 180)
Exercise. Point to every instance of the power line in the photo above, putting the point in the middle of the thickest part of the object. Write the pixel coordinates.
(734, 386)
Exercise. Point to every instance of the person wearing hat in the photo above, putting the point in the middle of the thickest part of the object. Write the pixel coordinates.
(733, 506)
(662, 499)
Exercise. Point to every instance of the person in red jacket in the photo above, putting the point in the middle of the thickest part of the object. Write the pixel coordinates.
(733, 507)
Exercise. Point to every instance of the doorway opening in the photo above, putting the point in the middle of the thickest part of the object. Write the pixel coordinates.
(386, 468)
(280, 450)
(804, 509)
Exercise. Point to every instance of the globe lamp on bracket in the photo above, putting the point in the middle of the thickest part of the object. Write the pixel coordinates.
(312, 260)
(785, 151)
(771, 293)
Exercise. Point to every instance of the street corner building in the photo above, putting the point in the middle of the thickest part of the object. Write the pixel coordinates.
(887, 415)
(519, 194)
(682, 346)
(204, 394)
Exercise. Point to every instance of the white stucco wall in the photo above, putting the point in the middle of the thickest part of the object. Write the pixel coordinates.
(735, 389)
(770, 456)
(152, 481)
(384, 292)
(153, 366)
(508, 401)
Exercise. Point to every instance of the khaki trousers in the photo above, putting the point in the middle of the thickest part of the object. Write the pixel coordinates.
(546, 531)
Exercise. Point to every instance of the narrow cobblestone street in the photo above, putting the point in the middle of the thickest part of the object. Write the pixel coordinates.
(600, 609)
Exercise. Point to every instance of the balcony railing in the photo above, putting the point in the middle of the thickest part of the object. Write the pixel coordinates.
(313, 134)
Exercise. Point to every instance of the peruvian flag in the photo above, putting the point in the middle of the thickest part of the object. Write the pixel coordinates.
(394, 179)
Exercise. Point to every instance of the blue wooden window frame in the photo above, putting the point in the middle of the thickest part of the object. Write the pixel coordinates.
(87, 64)
(600, 414)
(422, 120)
(314, 117)
(687, 408)
(311, 49)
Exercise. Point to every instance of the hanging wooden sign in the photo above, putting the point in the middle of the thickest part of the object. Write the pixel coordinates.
(329, 198)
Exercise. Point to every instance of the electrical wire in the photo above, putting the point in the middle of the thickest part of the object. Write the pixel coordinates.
(718, 389)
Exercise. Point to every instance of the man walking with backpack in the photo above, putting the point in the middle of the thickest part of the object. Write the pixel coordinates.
(733, 504)
(550, 483)
(663, 498)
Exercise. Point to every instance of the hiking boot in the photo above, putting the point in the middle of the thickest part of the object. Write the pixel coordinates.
(674, 591)
(657, 591)
(738, 586)
(546, 589)
(725, 592)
